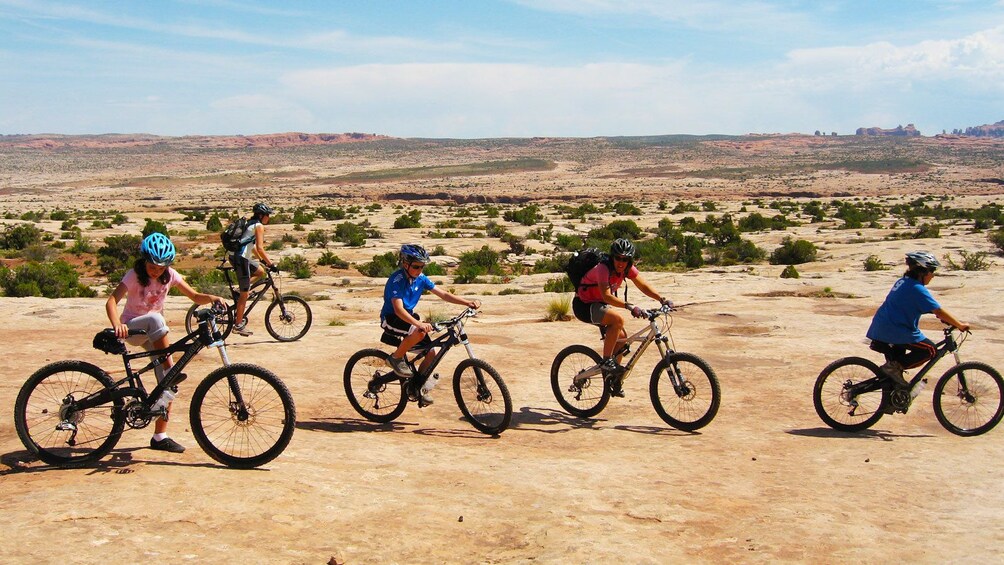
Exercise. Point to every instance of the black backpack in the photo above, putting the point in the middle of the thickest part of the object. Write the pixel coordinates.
(231, 237)
(580, 263)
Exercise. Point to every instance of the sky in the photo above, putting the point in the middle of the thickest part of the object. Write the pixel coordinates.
(499, 68)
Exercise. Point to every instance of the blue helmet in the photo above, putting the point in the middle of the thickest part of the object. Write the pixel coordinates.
(411, 252)
(157, 249)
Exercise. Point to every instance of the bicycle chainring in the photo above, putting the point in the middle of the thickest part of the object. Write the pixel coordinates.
(136, 415)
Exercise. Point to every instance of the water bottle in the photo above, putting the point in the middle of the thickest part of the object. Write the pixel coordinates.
(163, 401)
(430, 383)
(917, 388)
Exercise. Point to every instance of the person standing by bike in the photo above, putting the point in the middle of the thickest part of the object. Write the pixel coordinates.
(596, 297)
(144, 287)
(402, 326)
(246, 261)
(896, 325)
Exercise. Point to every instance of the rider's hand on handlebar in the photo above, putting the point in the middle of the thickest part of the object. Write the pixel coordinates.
(273, 268)
(427, 328)
(637, 312)
(667, 302)
(474, 304)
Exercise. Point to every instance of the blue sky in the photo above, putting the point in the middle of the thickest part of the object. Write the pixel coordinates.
(499, 68)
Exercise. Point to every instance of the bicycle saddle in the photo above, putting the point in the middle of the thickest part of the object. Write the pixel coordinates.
(106, 341)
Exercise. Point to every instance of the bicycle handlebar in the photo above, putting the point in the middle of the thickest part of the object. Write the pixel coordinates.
(467, 313)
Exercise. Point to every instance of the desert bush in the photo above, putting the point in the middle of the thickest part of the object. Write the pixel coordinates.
(118, 255)
(214, 223)
(528, 215)
(330, 259)
(997, 239)
(623, 208)
(51, 280)
(353, 235)
(296, 265)
(559, 284)
(317, 238)
(81, 245)
(508, 291)
(927, 231)
(793, 252)
(20, 236)
(790, 272)
(558, 309)
(302, 216)
(381, 265)
(153, 226)
(409, 220)
(331, 213)
(976, 261)
(872, 263)
(433, 269)
(473, 264)
(38, 253)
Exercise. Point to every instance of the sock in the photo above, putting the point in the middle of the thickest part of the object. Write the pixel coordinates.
(159, 437)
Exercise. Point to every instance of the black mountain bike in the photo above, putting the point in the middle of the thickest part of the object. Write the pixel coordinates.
(287, 317)
(684, 388)
(852, 393)
(380, 395)
(72, 413)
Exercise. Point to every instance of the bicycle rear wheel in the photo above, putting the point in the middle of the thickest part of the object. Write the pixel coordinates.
(482, 396)
(242, 415)
(372, 388)
(969, 399)
(586, 397)
(224, 320)
(696, 402)
(51, 429)
(290, 322)
(837, 405)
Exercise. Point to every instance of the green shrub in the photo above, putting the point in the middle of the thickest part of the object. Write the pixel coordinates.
(51, 280)
(330, 259)
(153, 226)
(331, 213)
(118, 255)
(527, 216)
(508, 291)
(558, 309)
(559, 284)
(970, 261)
(623, 208)
(997, 239)
(409, 220)
(466, 274)
(484, 261)
(301, 216)
(20, 236)
(381, 265)
(353, 235)
(214, 224)
(433, 269)
(296, 265)
(928, 231)
(317, 238)
(790, 272)
(793, 252)
(872, 263)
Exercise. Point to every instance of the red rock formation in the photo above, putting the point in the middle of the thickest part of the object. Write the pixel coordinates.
(900, 131)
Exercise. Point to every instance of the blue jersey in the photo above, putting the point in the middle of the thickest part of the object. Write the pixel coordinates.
(897, 320)
(398, 286)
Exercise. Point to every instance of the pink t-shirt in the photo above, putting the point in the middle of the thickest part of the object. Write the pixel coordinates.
(589, 290)
(141, 299)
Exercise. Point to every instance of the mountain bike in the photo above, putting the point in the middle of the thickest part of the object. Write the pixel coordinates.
(72, 413)
(684, 388)
(287, 317)
(380, 395)
(852, 393)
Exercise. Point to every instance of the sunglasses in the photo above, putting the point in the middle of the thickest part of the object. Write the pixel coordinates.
(622, 258)
(416, 266)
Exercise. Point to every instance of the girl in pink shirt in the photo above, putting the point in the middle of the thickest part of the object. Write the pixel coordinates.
(144, 287)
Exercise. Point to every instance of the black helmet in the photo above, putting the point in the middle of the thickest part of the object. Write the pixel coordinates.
(411, 252)
(261, 209)
(922, 259)
(623, 247)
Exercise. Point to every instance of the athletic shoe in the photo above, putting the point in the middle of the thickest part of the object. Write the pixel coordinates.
(167, 444)
(400, 366)
(241, 328)
(894, 370)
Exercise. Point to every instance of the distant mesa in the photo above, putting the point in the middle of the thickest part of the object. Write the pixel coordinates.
(111, 140)
(986, 130)
(898, 131)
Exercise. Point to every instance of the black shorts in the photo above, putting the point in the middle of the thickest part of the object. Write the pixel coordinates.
(589, 311)
(395, 330)
(243, 268)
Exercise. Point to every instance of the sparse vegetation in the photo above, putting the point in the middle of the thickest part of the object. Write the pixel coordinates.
(558, 309)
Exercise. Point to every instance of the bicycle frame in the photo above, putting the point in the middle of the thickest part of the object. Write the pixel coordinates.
(207, 335)
(455, 335)
(942, 348)
(646, 336)
(257, 290)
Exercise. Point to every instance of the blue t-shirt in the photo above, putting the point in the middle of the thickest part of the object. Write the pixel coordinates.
(398, 286)
(897, 320)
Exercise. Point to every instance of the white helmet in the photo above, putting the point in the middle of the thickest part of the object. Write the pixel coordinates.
(922, 259)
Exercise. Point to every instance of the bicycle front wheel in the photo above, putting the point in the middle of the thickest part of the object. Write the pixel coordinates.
(289, 322)
(224, 320)
(49, 426)
(372, 387)
(581, 396)
(839, 399)
(693, 401)
(969, 399)
(242, 415)
(482, 396)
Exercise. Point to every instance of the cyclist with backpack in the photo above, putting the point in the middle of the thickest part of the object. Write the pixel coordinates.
(895, 328)
(144, 287)
(402, 326)
(596, 299)
(245, 260)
